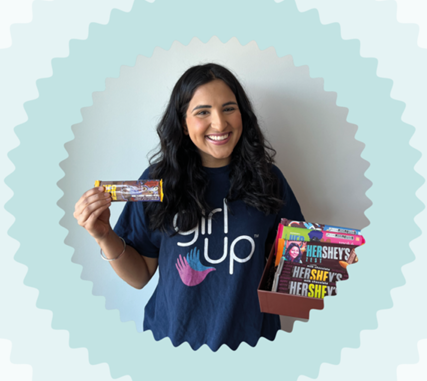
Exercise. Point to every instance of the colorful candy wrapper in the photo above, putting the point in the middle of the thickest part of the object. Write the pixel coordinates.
(136, 190)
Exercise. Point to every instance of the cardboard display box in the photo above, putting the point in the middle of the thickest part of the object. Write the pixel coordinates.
(279, 303)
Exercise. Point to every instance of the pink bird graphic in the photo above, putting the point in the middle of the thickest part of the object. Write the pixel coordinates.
(189, 276)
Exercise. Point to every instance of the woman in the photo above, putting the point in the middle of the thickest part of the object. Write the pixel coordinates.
(223, 200)
(293, 253)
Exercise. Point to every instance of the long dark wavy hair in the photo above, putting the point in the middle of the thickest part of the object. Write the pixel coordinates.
(179, 164)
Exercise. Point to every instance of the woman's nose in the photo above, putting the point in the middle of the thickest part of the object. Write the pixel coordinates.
(219, 121)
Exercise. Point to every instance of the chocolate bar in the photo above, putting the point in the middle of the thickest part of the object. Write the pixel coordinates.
(313, 225)
(310, 289)
(137, 190)
(299, 234)
(308, 272)
(334, 256)
(305, 280)
(301, 224)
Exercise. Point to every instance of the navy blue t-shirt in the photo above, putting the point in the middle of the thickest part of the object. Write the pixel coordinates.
(208, 276)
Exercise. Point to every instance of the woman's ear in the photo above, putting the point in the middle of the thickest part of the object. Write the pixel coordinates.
(184, 127)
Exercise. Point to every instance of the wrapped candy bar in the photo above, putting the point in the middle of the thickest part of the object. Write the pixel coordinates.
(136, 190)
(313, 225)
(300, 234)
(324, 253)
(308, 280)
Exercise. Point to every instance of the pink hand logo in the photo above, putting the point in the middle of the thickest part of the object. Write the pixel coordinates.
(189, 276)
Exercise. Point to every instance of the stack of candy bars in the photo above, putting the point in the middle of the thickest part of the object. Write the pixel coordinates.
(311, 258)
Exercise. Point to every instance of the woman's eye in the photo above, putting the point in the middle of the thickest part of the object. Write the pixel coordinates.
(202, 113)
(229, 109)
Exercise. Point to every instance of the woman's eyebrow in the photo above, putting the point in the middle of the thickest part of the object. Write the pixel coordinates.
(201, 106)
(208, 106)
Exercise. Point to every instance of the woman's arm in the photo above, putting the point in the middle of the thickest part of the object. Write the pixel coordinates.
(92, 212)
(133, 268)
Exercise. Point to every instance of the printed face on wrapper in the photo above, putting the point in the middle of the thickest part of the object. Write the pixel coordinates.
(294, 252)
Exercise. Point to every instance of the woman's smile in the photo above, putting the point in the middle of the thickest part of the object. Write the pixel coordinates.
(219, 138)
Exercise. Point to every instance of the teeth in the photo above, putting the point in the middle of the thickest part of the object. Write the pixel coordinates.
(222, 137)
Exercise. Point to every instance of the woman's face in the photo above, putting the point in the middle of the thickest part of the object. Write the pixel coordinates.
(214, 123)
(294, 252)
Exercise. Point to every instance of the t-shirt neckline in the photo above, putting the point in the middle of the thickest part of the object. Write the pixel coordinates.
(218, 170)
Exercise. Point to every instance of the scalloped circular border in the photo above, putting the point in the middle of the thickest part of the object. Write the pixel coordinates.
(76, 77)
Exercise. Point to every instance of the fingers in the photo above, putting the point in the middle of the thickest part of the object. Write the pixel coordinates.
(92, 201)
(94, 216)
(178, 265)
(91, 194)
(180, 261)
(92, 211)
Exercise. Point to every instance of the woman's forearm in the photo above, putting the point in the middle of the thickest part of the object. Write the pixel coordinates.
(130, 266)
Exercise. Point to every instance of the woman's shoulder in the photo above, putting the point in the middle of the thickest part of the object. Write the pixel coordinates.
(291, 207)
(275, 170)
(146, 175)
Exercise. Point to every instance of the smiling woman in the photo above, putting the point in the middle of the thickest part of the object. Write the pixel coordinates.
(223, 197)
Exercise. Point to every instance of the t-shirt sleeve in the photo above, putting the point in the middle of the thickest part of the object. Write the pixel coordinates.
(132, 226)
(290, 209)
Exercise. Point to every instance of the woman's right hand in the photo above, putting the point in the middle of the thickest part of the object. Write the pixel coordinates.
(93, 213)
